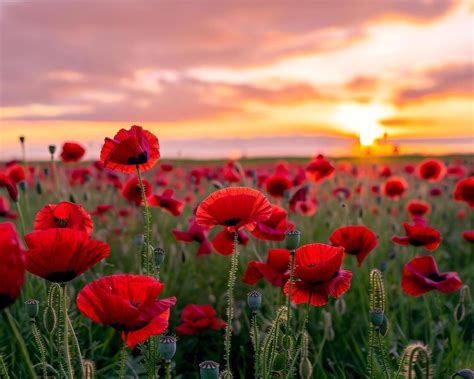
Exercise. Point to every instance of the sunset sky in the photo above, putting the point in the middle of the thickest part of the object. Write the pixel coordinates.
(225, 78)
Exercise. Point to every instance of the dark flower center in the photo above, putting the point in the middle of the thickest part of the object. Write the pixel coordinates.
(139, 159)
(60, 277)
(61, 222)
(5, 301)
(231, 221)
(435, 277)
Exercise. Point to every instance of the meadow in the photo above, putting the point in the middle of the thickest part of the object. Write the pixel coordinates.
(427, 335)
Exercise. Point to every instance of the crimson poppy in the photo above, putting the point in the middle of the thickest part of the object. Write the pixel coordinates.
(10, 185)
(395, 187)
(356, 240)
(167, 202)
(275, 227)
(464, 191)
(127, 303)
(275, 270)
(419, 235)
(319, 169)
(63, 215)
(72, 152)
(234, 207)
(456, 170)
(432, 170)
(79, 176)
(223, 242)
(468, 235)
(195, 233)
(306, 208)
(277, 185)
(418, 208)
(435, 191)
(5, 209)
(60, 255)
(298, 197)
(133, 193)
(198, 318)
(231, 173)
(318, 268)
(421, 275)
(102, 209)
(12, 265)
(16, 173)
(129, 149)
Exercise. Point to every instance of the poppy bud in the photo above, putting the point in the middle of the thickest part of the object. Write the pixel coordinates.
(340, 305)
(167, 347)
(39, 189)
(52, 149)
(464, 373)
(50, 320)
(12, 190)
(139, 239)
(292, 239)
(159, 255)
(23, 185)
(32, 307)
(306, 368)
(46, 171)
(209, 370)
(254, 300)
(89, 369)
(376, 316)
(22, 139)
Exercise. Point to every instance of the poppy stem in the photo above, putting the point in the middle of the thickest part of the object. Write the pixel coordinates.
(288, 303)
(40, 345)
(67, 354)
(230, 301)
(78, 348)
(145, 264)
(123, 358)
(257, 343)
(20, 217)
(21, 343)
(3, 369)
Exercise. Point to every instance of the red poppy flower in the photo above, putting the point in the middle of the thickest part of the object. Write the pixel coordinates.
(72, 152)
(356, 240)
(63, 215)
(435, 191)
(102, 209)
(10, 185)
(130, 148)
(421, 275)
(133, 193)
(275, 227)
(318, 267)
(275, 269)
(468, 235)
(5, 209)
(307, 208)
(12, 265)
(418, 208)
(395, 187)
(166, 166)
(300, 196)
(409, 169)
(277, 185)
(195, 233)
(234, 207)
(60, 255)
(198, 318)
(231, 173)
(128, 304)
(418, 235)
(342, 193)
(464, 191)
(385, 172)
(319, 169)
(432, 170)
(456, 171)
(16, 173)
(167, 202)
(223, 242)
(80, 176)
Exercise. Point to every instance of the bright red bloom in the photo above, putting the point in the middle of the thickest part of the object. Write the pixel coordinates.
(79, 176)
(102, 209)
(130, 148)
(223, 242)
(231, 173)
(195, 233)
(10, 185)
(421, 275)
(234, 207)
(300, 196)
(419, 235)
(318, 267)
(277, 185)
(12, 265)
(275, 227)
(395, 187)
(63, 215)
(418, 208)
(319, 169)
(128, 304)
(468, 235)
(198, 318)
(72, 152)
(60, 255)
(432, 170)
(356, 240)
(307, 208)
(16, 173)
(5, 209)
(167, 202)
(133, 193)
(275, 269)
(464, 191)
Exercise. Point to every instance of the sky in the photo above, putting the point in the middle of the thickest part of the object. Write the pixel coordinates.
(217, 79)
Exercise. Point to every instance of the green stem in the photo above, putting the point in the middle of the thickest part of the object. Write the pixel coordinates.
(168, 369)
(67, 354)
(78, 348)
(20, 341)
(123, 358)
(257, 343)
(40, 345)
(382, 355)
(3, 369)
(21, 218)
(146, 264)
(288, 303)
(230, 303)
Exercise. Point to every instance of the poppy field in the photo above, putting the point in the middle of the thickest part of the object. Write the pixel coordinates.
(137, 266)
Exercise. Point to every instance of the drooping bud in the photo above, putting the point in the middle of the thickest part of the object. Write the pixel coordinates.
(167, 347)
(292, 239)
(22, 139)
(89, 369)
(306, 368)
(32, 307)
(254, 300)
(209, 370)
(50, 320)
(159, 255)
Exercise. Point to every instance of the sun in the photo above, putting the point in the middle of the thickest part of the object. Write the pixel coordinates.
(363, 120)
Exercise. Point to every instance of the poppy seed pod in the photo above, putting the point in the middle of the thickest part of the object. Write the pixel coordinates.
(23, 185)
(32, 307)
(376, 316)
(159, 255)
(292, 239)
(22, 139)
(167, 347)
(254, 300)
(209, 370)
(52, 149)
